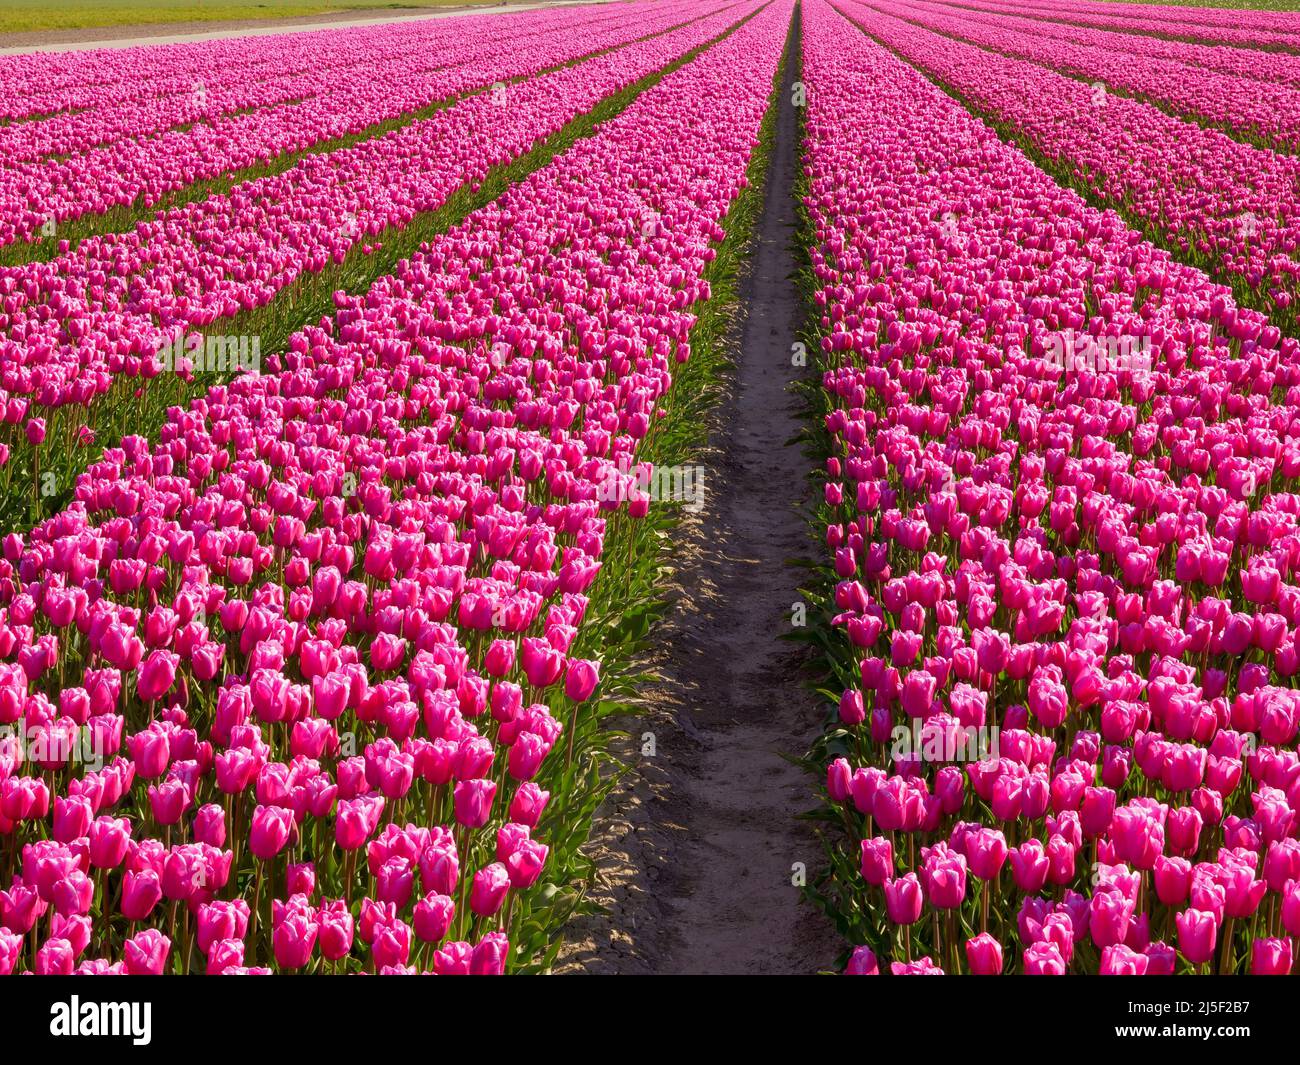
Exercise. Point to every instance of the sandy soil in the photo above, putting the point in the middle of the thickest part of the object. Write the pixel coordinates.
(174, 32)
(695, 848)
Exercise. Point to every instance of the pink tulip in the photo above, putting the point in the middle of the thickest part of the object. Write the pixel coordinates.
(270, 831)
(156, 675)
(489, 955)
(1271, 957)
(580, 679)
(335, 930)
(984, 955)
(473, 802)
(433, 917)
(903, 899)
(146, 953)
(1197, 932)
(1044, 959)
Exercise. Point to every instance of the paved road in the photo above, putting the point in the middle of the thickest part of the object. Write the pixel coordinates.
(270, 28)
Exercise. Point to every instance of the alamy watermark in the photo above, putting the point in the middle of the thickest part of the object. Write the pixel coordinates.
(211, 354)
(78, 1019)
(1072, 352)
(655, 484)
(42, 746)
(958, 743)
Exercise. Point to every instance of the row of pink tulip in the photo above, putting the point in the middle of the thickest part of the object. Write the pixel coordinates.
(1224, 205)
(1278, 67)
(1263, 110)
(1065, 579)
(140, 171)
(40, 84)
(1242, 27)
(314, 68)
(75, 325)
(388, 539)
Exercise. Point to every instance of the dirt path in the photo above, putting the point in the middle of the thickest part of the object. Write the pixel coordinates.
(183, 32)
(696, 853)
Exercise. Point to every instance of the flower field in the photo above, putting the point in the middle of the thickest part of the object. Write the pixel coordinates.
(1091, 557)
(354, 385)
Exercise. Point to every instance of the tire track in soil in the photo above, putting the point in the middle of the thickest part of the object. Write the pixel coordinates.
(694, 849)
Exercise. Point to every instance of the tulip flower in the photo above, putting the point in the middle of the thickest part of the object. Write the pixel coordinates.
(528, 803)
(1197, 932)
(903, 900)
(220, 920)
(269, 832)
(1271, 957)
(55, 958)
(1044, 959)
(140, 894)
(225, 955)
(146, 953)
(473, 802)
(1120, 960)
(580, 679)
(11, 945)
(489, 955)
(489, 889)
(294, 938)
(335, 930)
(984, 955)
(156, 675)
(877, 860)
(433, 917)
